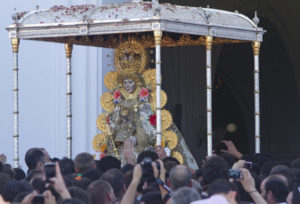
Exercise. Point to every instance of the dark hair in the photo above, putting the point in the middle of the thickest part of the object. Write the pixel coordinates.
(220, 186)
(147, 153)
(1, 166)
(180, 176)
(18, 198)
(4, 179)
(33, 174)
(152, 197)
(286, 172)
(13, 188)
(296, 195)
(72, 201)
(79, 193)
(66, 166)
(296, 163)
(108, 162)
(96, 195)
(169, 164)
(33, 156)
(7, 169)
(38, 185)
(82, 183)
(171, 159)
(19, 174)
(84, 161)
(115, 178)
(212, 172)
(92, 174)
(278, 188)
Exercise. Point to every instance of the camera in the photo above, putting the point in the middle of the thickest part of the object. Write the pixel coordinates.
(235, 174)
(38, 199)
(49, 171)
(147, 170)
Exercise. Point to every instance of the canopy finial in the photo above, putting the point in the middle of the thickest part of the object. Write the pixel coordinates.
(255, 19)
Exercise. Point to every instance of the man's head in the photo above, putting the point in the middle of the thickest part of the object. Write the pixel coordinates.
(180, 176)
(115, 178)
(223, 187)
(83, 162)
(105, 195)
(108, 162)
(185, 195)
(274, 189)
(212, 172)
(35, 159)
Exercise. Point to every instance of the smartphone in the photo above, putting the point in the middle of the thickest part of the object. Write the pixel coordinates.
(248, 165)
(50, 171)
(38, 199)
(235, 174)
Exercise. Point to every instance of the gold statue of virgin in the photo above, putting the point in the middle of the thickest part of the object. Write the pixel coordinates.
(130, 106)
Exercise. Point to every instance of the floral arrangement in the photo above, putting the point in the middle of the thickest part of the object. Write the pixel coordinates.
(117, 96)
(144, 94)
(152, 119)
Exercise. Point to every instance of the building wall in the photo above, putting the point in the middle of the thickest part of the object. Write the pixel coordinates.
(42, 88)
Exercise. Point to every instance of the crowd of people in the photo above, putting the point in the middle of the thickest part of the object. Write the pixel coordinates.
(152, 177)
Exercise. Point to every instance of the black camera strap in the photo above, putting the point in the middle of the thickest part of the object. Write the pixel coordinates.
(162, 184)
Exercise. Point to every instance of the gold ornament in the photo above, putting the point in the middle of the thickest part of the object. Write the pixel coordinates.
(107, 102)
(102, 122)
(127, 95)
(98, 141)
(110, 80)
(163, 99)
(178, 156)
(170, 139)
(130, 56)
(149, 77)
(166, 119)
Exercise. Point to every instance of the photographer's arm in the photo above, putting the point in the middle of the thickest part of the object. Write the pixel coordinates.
(59, 184)
(249, 185)
(161, 175)
(130, 193)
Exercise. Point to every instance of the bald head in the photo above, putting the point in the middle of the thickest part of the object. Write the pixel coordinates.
(180, 176)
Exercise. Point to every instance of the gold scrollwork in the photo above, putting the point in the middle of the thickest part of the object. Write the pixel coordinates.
(98, 141)
(110, 80)
(170, 139)
(107, 102)
(166, 119)
(178, 156)
(102, 122)
(163, 99)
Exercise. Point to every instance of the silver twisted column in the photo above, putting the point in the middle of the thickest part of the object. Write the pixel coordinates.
(69, 48)
(158, 35)
(208, 44)
(15, 46)
(256, 47)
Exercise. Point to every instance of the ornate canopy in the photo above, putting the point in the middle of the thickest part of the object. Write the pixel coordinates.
(105, 26)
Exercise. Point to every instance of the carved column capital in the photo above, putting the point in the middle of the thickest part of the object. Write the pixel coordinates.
(68, 48)
(208, 42)
(15, 44)
(256, 47)
(157, 36)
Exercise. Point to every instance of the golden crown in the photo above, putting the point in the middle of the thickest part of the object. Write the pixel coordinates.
(130, 57)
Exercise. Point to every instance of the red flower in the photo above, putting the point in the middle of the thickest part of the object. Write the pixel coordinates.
(117, 94)
(152, 119)
(144, 93)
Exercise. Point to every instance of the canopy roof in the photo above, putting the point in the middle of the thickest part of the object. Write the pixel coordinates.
(106, 25)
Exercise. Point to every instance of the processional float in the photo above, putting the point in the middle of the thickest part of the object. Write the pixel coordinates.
(153, 25)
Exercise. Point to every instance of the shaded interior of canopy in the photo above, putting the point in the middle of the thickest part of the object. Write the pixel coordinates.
(146, 38)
